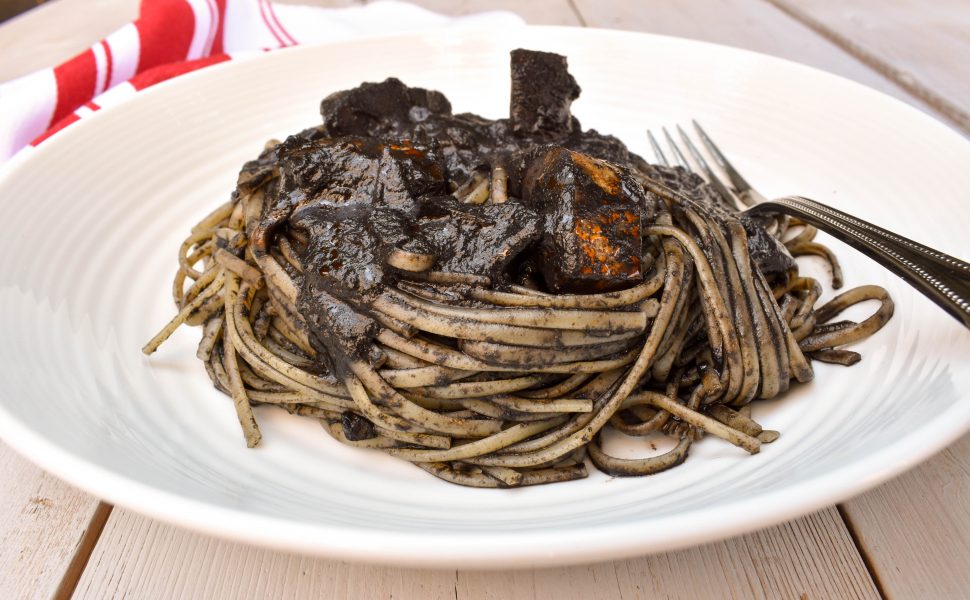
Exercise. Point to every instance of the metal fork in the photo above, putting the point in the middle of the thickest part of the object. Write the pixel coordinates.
(940, 277)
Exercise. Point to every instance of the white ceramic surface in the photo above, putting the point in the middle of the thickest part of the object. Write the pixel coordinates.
(93, 218)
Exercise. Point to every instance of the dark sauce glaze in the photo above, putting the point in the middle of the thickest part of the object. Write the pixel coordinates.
(379, 173)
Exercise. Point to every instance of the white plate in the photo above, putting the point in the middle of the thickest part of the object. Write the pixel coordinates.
(94, 217)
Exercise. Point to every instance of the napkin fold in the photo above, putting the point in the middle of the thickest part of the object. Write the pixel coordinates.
(173, 37)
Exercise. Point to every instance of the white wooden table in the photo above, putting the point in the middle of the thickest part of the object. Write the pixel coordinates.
(909, 538)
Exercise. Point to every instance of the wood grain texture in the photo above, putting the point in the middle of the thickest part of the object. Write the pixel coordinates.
(915, 530)
(814, 557)
(749, 24)
(140, 558)
(42, 527)
(889, 37)
(535, 12)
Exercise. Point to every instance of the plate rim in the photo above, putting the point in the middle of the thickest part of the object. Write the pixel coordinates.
(544, 548)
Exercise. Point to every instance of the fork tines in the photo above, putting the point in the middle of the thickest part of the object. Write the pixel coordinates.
(730, 185)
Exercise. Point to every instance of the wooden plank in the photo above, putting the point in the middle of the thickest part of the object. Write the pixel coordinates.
(915, 530)
(565, 583)
(44, 527)
(536, 12)
(891, 37)
(137, 557)
(812, 557)
(56, 31)
(749, 24)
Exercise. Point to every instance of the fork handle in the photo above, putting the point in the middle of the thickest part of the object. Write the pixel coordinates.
(940, 277)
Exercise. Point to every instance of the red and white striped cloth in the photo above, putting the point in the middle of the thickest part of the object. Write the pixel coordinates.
(172, 37)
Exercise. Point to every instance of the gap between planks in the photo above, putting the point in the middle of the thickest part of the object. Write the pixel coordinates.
(576, 11)
(79, 562)
(904, 79)
(44, 528)
(856, 535)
